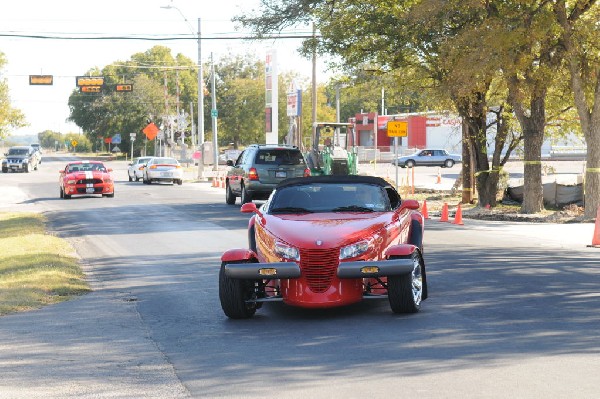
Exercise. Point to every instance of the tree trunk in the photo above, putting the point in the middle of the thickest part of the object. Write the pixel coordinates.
(467, 168)
(592, 169)
(533, 193)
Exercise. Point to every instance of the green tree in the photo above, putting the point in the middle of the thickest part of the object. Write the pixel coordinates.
(109, 112)
(579, 37)
(10, 117)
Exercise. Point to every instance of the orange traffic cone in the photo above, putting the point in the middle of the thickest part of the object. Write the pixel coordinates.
(222, 182)
(458, 215)
(444, 217)
(596, 237)
(439, 178)
(424, 210)
(215, 181)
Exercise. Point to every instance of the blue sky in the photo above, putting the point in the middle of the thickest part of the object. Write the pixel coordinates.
(46, 106)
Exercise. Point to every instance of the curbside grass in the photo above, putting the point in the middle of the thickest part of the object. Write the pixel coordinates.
(36, 268)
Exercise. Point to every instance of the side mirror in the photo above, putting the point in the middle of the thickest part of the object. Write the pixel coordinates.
(249, 207)
(229, 162)
(410, 204)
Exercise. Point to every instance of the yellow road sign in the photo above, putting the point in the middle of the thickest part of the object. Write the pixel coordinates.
(397, 129)
(74, 143)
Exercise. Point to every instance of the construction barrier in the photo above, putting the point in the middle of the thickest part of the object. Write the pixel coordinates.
(458, 215)
(424, 210)
(444, 217)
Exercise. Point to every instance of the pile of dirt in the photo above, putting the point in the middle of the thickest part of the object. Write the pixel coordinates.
(568, 214)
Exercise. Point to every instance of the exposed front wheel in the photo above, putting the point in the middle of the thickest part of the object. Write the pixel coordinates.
(449, 163)
(410, 163)
(233, 294)
(4, 170)
(405, 292)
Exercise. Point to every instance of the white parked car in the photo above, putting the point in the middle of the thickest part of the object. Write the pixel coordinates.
(163, 169)
(136, 168)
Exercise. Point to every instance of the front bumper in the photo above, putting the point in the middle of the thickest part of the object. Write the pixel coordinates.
(345, 270)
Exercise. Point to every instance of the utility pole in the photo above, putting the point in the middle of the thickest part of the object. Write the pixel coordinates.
(214, 114)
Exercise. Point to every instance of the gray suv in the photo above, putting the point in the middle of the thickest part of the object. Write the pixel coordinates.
(259, 168)
(20, 159)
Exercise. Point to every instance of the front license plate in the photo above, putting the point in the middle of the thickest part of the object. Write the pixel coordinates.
(280, 174)
(166, 174)
(89, 190)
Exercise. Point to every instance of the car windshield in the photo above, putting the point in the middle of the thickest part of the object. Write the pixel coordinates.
(164, 161)
(86, 167)
(18, 151)
(329, 197)
(279, 156)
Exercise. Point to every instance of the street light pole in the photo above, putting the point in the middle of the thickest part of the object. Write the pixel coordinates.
(200, 108)
(200, 91)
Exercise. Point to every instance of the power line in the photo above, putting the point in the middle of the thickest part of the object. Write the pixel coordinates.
(154, 38)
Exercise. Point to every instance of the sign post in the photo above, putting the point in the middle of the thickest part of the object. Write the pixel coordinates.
(397, 129)
(131, 140)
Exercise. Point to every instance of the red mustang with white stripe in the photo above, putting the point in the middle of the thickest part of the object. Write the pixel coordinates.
(86, 178)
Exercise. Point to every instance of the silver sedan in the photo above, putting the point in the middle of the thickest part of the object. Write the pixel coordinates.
(163, 169)
(428, 157)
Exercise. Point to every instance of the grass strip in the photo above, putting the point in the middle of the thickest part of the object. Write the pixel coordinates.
(36, 268)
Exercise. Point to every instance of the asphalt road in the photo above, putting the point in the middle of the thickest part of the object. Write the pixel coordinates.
(513, 311)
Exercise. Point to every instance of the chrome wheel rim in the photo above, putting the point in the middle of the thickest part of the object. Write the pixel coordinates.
(417, 280)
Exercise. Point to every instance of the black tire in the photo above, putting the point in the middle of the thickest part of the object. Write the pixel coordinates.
(66, 196)
(4, 170)
(136, 178)
(416, 239)
(130, 178)
(62, 193)
(410, 163)
(252, 239)
(405, 292)
(233, 294)
(179, 182)
(416, 235)
(229, 195)
(111, 195)
(448, 163)
(246, 197)
(26, 168)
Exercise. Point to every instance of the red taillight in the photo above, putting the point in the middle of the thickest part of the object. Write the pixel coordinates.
(306, 172)
(252, 174)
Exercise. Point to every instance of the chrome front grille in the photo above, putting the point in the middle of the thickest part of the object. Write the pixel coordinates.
(319, 267)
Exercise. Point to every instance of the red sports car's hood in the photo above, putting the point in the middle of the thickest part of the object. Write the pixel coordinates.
(303, 231)
(94, 174)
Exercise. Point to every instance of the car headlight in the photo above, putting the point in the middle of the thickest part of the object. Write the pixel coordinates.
(287, 252)
(354, 250)
(71, 181)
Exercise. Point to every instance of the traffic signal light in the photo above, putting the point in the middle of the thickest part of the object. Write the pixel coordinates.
(90, 89)
(124, 87)
(90, 81)
(41, 79)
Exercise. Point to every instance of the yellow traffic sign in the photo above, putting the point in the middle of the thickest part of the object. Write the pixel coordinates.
(74, 143)
(397, 129)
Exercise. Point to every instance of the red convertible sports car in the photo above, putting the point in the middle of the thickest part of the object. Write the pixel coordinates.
(327, 241)
(86, 178)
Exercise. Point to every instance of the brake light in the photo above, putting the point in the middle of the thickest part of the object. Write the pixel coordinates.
(252, 174)
(306, 172)
(153, 167)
